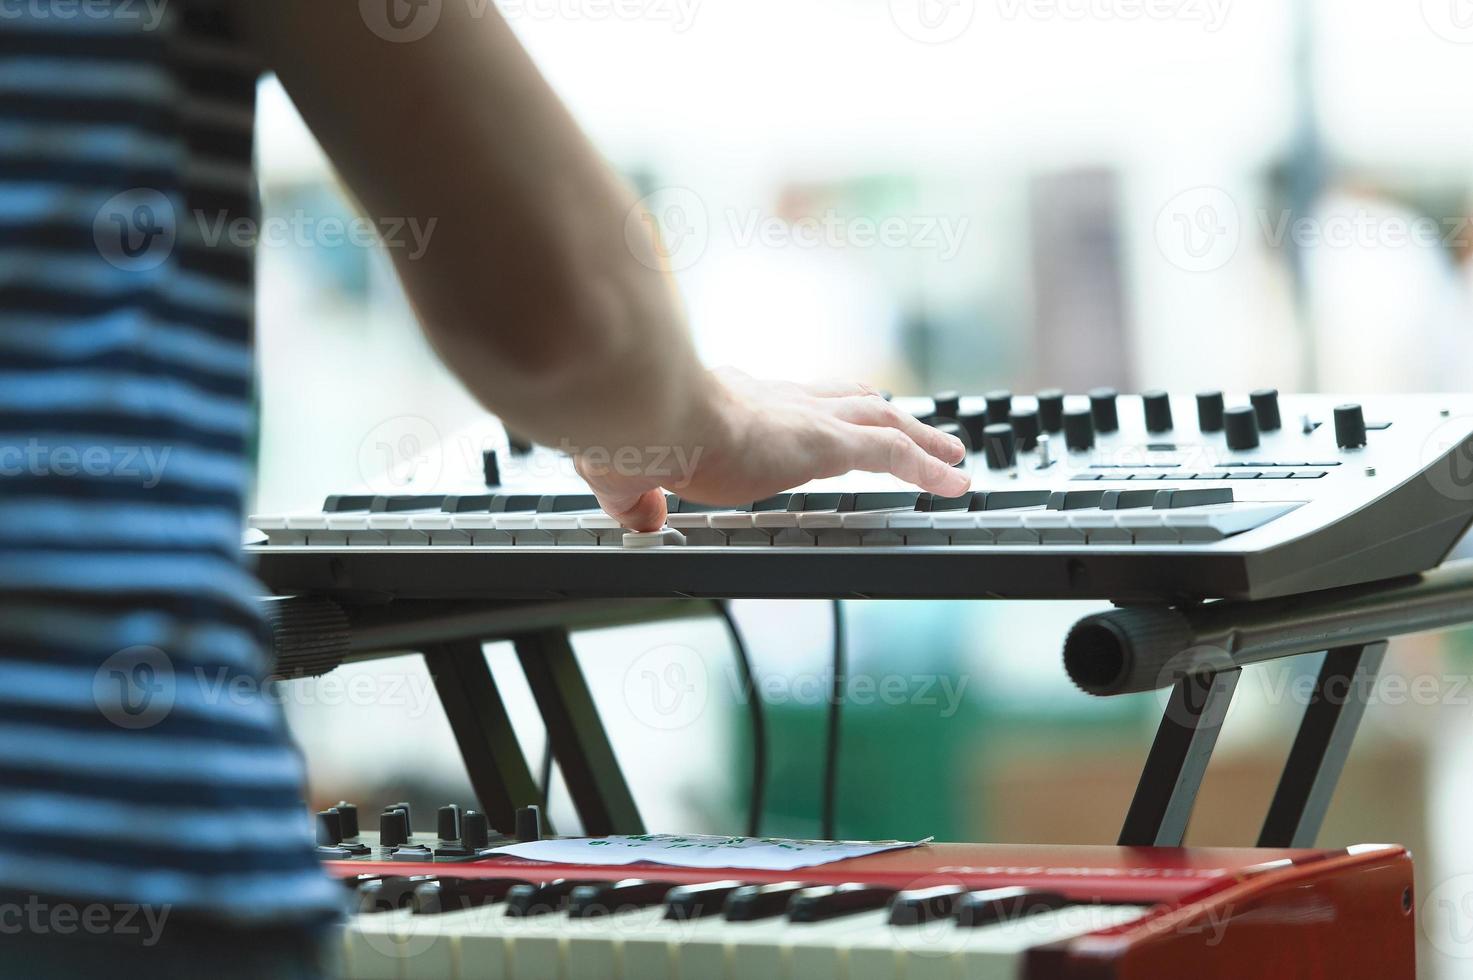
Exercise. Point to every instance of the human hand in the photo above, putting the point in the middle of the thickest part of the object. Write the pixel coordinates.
(757, 438)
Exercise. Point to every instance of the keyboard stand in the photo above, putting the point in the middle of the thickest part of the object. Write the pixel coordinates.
(312, 636)
(1204, 647)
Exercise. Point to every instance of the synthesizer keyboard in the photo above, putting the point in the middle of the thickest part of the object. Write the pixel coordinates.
(1132, 498)
(952, 911)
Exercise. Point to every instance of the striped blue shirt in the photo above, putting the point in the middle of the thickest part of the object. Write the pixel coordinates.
(139, 760)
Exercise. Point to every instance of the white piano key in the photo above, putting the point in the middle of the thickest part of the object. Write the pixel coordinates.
(398, 530)
(1147, 527)
(566, 531)
(697, 530)
(1006, 528)
(608, 531)
(441, 529)
(1099, 527)
(741, 530)
(665, 538)
(1219, 521)
(274, 526)
(1053, 528)
(372, 946)
(962, 527)
(917, 529)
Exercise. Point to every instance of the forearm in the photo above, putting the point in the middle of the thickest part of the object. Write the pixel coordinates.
(528, 286)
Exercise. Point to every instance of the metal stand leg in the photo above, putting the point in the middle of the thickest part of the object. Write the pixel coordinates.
(498, 771)
(1320, 749)
(579, 742)
(1178, 759)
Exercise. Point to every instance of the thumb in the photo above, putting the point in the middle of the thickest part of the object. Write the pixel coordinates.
(647, 512)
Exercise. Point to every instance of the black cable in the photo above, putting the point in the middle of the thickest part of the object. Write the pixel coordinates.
(759, 722)
(828, 819)
(546, 772)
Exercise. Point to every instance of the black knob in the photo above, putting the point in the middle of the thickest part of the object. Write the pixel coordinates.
(393, 827)
(1350, 427)
(948, 405)
(1025, 427)
(999, 407)
(475, 830)
(491, 467)
(348, 815)
(1079, 430)
(520, 445)
(1158, 411)
(447, 822)
(329, 828)
(1001, 447)
(1051, 410)
(1210, 410)
(529, 823)
(974, 424)
(957, 432)
(1266, 405)
(1102, 407)
(1241, 423)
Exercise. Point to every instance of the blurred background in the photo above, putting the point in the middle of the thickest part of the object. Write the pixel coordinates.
(935, 194)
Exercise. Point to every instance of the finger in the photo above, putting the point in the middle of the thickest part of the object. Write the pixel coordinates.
(878, 450)
(837, 388)
(643, 512)
(876, 412)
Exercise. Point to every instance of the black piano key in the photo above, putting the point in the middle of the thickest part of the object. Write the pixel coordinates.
(567, 503)
(517, 503)
(1075, 499)
(678, 506)
(354, 883)
(1130, 499)
(699, 901)
(348, 504)
(1173, 499)
(459, 894)
(831, 901)
(922, 905)
(781, 502)
(1010, 499)
(524, 901)
(752, 902)
(406, 503)
(389, 893)
(812, 503)
(895, 500)
(996, 905)
(476, 504)
(607, 898)
(929, 503)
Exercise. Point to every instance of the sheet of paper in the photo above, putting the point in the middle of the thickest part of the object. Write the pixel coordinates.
(751, 853)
